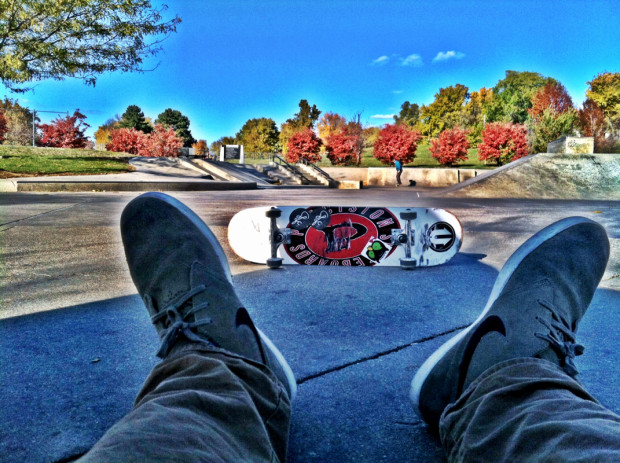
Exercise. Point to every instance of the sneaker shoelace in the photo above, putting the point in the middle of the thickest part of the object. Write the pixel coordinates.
(561, 338)
(176, 322)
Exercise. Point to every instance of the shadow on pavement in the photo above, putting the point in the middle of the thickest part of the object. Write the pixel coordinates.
(354, 339)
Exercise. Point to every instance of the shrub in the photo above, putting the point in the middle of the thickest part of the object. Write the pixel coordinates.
(127, 141)
(342, 149)
(65, 132)
(396, 142)
(162, 142)
(503, 142)
(304, 145)
(451, 146)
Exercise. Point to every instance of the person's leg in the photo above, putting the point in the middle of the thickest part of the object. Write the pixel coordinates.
(493, 381)
(398, 174)
(529, 409)
(223, 391)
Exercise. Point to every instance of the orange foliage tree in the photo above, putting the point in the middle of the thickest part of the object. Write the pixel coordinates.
(126, 141)
(396, 142)
(342, 149)
(65, 132)
(552, 96)
(451, 146)
(304, 145)
(503, 142)
(162, 142)
(4, 128)
(200, 148)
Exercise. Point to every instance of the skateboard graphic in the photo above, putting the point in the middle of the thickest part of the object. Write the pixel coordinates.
(345, 236)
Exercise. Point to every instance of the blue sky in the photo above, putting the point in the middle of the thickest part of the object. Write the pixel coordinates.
(233, 60)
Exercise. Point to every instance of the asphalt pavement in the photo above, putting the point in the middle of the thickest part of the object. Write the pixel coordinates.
(76, 342)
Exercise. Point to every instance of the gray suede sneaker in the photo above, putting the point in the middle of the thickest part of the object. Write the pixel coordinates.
(182, 274)
(538, 299)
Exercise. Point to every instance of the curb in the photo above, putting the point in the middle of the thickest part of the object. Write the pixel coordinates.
(77, 186)
(8, 186)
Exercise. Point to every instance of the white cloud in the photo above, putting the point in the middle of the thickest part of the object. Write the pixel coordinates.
(383, 116)
(446, 55)
(412, 60)
(397, 92)
(380, 61)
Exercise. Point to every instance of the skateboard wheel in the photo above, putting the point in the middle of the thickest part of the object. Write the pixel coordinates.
(274, 262)
(408, 215)
(408, 263)
(274, 212)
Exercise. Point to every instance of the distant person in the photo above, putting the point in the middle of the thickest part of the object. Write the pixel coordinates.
(502, 390)
(399, 171)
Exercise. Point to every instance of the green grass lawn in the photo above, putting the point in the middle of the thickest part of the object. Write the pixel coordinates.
(423, 159)
(25, 161)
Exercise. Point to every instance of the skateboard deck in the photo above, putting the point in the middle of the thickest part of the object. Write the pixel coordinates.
(345, 236)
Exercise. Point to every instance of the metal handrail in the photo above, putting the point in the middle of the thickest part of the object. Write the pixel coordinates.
(278, 160)
(317, 169)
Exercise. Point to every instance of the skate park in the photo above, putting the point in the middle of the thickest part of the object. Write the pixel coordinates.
(76, 342)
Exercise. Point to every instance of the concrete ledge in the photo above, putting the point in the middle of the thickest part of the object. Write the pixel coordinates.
(386, 176)
(74, 186)
(348, 185)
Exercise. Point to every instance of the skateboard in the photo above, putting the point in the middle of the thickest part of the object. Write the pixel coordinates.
(345, 236)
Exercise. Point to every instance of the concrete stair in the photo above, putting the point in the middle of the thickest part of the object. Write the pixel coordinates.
(313, 175)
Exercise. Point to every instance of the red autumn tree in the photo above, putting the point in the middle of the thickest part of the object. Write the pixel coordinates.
(451, 146)
(304, 145)
(503, 142)
(4, 128)
(396, 142)
(162, 142)
(592, 121)
(127, 141)
(65, 132)
(342, 149)
(552, 96)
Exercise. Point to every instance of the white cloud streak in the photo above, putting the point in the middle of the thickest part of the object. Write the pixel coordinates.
(383, 116)
(448, 55)
(380, 61)
(412, 60)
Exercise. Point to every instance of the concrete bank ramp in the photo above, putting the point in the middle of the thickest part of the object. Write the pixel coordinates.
(548, 176)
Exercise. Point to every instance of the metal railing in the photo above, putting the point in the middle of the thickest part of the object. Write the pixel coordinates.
(317, 169)
(291, 168)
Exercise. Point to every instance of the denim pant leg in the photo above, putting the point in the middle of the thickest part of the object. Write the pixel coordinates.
(202, 404)
(525, 410)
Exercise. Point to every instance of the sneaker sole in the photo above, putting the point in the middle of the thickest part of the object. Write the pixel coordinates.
(509, 267)
(221, 255)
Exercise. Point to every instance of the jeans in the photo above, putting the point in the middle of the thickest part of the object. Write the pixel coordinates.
(206, 404)
(528, 409)
(202, 404)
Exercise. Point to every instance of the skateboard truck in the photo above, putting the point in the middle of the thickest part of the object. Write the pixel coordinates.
(404, 237)
(277, 237)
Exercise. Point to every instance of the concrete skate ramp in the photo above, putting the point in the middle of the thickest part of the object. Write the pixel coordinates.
(548, 176)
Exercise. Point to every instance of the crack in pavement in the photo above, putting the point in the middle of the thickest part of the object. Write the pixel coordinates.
(378, 355)
(13, 223)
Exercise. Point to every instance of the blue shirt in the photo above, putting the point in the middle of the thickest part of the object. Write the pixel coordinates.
(398, 165)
